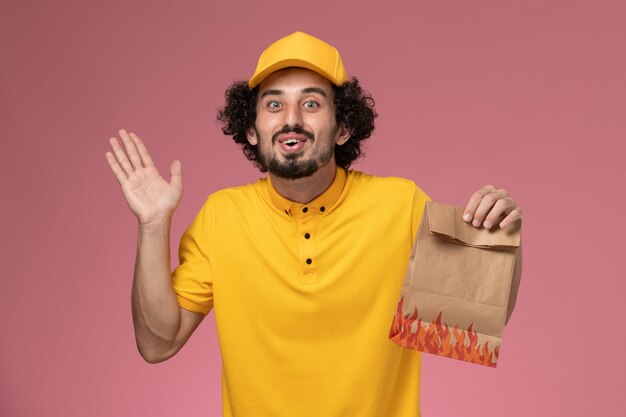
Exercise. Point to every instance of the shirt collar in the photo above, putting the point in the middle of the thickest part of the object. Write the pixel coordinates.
(320, 204)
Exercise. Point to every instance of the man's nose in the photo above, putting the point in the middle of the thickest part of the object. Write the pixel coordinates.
(293, 116)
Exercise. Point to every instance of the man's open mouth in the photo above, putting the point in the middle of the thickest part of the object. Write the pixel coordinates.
(291, 144)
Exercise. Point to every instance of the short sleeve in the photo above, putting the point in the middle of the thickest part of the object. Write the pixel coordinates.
(419, 204)
(192, 279)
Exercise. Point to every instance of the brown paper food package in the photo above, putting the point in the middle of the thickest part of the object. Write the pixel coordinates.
(458, 287)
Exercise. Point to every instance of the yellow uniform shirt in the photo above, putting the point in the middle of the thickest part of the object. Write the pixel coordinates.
(304, 296)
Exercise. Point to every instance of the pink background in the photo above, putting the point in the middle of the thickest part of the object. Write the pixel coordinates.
(527, 95)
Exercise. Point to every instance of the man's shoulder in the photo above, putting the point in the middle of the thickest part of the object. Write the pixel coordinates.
(375, 184)
(240, 193)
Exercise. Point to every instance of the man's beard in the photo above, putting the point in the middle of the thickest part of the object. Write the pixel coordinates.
(295, 167)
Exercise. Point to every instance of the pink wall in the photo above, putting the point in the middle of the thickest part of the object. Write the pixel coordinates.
(527, 95)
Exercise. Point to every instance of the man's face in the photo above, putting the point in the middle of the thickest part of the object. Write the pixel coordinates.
(295, 128)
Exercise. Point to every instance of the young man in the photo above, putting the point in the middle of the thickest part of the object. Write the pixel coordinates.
(303, 268)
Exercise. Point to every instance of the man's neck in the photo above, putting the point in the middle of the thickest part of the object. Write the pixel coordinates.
(304, 190)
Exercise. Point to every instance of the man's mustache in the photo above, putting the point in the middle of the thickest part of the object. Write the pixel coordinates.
(295, 129)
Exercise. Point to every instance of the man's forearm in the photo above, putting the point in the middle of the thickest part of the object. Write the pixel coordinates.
(156, 314)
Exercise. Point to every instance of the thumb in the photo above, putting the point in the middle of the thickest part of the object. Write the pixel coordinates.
(176, 171)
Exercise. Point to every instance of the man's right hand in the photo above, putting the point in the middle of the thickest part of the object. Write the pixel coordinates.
(162, 327)
(149, 196)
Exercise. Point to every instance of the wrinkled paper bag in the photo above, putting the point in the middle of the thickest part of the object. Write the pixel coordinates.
(457, 287)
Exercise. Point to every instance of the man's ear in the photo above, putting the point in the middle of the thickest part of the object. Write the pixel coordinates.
(342, 135)
(251, 136)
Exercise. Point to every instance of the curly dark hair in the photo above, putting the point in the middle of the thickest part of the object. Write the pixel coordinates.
(354, 109)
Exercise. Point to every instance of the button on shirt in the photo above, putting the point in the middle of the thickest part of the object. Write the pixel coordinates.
(307, 217)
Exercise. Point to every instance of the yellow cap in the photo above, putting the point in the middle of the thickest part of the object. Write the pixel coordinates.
(300, 50)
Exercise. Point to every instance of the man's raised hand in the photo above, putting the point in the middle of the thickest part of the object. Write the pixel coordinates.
(149, 196)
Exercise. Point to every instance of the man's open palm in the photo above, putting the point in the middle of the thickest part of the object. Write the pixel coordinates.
(148, 195)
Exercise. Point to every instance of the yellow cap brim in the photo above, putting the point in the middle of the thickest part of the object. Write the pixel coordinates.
(304, 51)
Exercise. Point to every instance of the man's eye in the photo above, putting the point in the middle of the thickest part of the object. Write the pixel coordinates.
(273, 104)
(311, 105)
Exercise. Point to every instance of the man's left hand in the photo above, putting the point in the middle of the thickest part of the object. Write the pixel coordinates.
(488, 205)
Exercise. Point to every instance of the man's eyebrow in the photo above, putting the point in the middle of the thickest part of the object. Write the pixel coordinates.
(272, 93)
(307, 90)
(315, 90)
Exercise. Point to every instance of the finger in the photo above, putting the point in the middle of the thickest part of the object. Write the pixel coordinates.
(512, 217)
(503, 205)
(485, 206)
(474, 202)
(120, 155)
(176, 170)
(143, 151)
(116, 168)
(131, 150)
